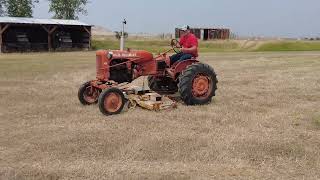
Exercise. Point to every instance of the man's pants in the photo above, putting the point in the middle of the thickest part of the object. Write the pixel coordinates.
(180, 57)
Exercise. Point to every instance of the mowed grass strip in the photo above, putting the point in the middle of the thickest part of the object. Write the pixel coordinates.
(259, 126)
(31, 65)
(317, 119)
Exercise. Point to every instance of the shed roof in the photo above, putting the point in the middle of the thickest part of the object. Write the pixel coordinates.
(19, 20)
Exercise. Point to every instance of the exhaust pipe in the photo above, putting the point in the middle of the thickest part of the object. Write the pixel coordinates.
(122, 45)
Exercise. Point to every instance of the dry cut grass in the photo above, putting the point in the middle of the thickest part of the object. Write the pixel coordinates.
(261, 125)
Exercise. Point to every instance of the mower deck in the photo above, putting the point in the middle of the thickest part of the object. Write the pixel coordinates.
(149, 100)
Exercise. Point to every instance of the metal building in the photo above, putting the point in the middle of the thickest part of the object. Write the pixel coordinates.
(29, 35)
(207, 33)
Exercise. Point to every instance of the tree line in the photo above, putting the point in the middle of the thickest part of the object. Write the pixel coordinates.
(62, 9)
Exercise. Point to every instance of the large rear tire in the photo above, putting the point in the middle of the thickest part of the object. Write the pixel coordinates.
(111, 101)
(164, 85)
(197, 84)
(87, 94)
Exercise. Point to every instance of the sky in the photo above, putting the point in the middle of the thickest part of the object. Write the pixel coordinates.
(268, 18)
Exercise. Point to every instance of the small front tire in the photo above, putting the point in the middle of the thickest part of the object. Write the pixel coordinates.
(88, 94)
(111, 101)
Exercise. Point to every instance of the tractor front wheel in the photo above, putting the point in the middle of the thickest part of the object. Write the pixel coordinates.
(88, 94)
(197, 84)
(111, 101)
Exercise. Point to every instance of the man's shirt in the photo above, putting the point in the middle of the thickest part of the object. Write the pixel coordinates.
(189, 41)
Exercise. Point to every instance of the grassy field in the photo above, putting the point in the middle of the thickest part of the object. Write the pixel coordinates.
(290, 46)
(157, 46)
(263, 124)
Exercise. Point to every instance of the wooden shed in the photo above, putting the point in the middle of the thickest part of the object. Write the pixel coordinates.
(207, 33)
(32, 35)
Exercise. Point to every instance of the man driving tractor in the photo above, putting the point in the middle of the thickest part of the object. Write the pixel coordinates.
(195, 82)
(189, 46)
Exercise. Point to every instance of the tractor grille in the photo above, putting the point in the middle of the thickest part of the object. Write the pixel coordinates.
(162, 65)
(100, 69)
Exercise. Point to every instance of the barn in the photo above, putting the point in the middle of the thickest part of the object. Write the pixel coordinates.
(34, 35)
(207, 33)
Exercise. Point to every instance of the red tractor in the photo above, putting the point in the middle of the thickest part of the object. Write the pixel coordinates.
(196, 82)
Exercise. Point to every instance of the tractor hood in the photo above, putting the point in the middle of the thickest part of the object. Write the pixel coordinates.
(107, 58)
(135, 55)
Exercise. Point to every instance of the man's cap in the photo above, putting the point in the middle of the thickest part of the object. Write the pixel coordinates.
(185, 27)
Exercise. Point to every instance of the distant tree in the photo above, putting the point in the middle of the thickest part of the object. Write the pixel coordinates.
(2, 11)
(118, 34)
(19, 8)
(68, 9)
(233, 35)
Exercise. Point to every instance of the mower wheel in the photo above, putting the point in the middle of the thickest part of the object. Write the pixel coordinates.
(164, 85)
(197, 84)
(87, 94)
(111, 101)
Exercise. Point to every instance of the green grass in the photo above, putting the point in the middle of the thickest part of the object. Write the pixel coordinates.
(290, 46)
(219, 46)
(156, 46)
(317, 120)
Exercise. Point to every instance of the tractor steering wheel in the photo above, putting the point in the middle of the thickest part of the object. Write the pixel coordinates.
(175, 44)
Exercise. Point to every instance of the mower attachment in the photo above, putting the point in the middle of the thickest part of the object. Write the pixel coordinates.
(151, 101)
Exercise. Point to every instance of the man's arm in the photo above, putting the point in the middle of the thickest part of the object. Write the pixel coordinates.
(189, 50)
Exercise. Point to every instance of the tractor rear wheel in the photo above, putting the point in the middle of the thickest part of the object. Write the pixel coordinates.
(163, 85)
(197, 84)
(88, 94)
(111, 101)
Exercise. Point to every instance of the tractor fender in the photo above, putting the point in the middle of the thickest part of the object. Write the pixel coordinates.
(178, 67)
